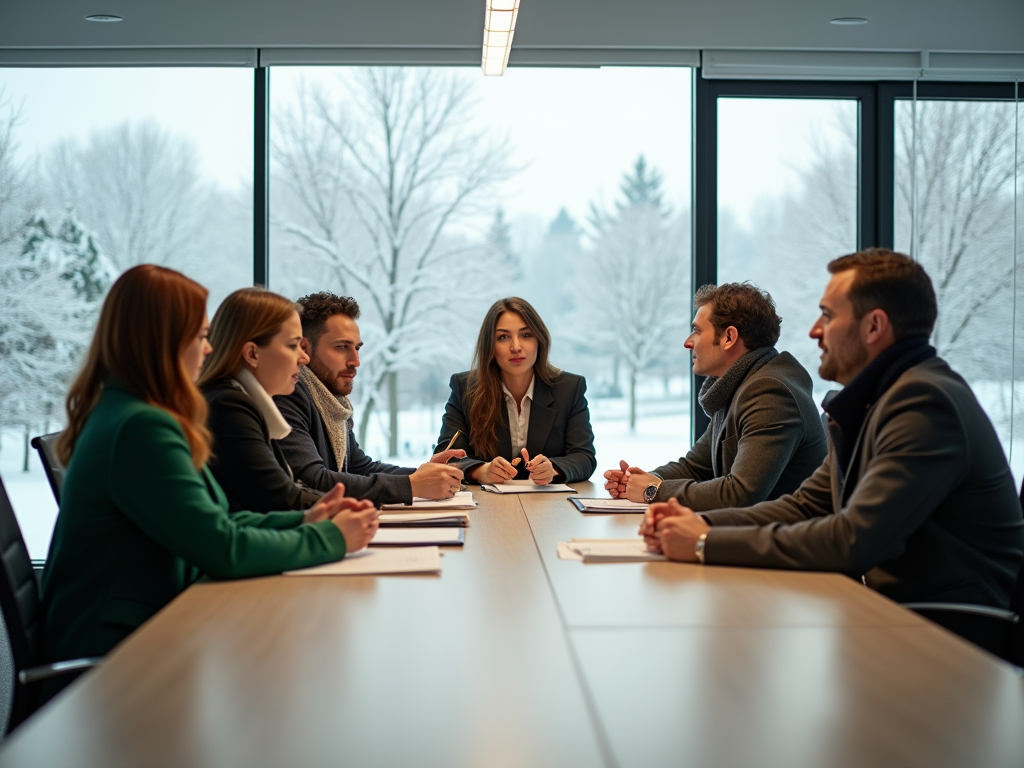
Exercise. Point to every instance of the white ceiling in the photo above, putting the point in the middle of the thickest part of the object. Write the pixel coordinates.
(894, 25)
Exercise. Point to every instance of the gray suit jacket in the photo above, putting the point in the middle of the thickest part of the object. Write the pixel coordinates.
(928, 510)
(771, 442)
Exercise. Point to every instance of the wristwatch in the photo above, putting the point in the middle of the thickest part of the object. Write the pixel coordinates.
(650, 492)
(698, 550)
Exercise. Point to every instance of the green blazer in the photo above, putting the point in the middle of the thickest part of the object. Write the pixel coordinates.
(138, 523)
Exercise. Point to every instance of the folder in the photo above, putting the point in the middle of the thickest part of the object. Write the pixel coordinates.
(614, 506)
(607, 551)
(440, 519)
(419, 537)
(461, 500)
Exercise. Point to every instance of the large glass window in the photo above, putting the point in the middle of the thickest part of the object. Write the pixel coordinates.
(428, 193)
(787, 204)
(956, 167)
(101, 169)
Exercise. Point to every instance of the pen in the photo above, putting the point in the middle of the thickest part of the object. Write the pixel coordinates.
(454, 438)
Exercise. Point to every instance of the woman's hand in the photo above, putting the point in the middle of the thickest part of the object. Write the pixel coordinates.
(542, 471)
(357, 524)
(329, 505)
(496, 471)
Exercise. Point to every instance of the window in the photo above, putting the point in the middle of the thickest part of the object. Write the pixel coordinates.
(102, 169)
(568, 187)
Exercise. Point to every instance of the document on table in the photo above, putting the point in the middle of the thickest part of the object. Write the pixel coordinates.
(375, 562)
(418, 537)
(439, 519)
(607, 505)
(607, 551)
(527, 486)
(461, 500)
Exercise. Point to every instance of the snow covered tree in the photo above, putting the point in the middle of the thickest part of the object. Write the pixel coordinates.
(379, 180)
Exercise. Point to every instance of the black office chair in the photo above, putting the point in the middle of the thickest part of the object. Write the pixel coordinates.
(19, 600)
(45, 445)
(997, 630)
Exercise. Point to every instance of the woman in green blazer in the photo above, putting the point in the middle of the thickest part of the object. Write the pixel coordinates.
(141, 516)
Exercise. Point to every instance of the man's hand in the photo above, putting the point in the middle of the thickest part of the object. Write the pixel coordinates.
(676, 530)
(616, 485)
(636, 482)
(331, 503)
(435, 481)
(357, 525)
(542, 471)
(496, 471)
(445, 456)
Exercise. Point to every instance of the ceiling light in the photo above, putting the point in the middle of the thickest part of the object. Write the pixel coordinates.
(499, 26)
(848, 21)
(103, 17)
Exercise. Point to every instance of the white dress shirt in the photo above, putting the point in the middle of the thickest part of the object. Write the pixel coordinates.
(518, 420)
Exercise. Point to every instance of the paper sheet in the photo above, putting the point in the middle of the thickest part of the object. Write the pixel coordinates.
(607, 551)
(452, 518)
(369, 562)
(609, 505)
(461, 500)
(406, 537)
(527, 486)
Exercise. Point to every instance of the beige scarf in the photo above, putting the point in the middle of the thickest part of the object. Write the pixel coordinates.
(335, 411)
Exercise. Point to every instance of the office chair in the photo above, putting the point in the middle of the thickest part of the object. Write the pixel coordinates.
(22, 612)
(45, 445)
(998, 631)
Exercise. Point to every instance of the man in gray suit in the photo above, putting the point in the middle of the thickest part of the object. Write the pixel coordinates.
(915, 495)
(765, 435)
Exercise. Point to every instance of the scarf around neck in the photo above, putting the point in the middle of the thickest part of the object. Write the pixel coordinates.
(716, 392)
(336, 411)
(277, 427)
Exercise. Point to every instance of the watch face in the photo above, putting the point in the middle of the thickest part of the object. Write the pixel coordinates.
(650, 492)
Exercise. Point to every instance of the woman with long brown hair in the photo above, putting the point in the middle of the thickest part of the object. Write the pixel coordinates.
(518, 416)
(141, 516)
(256, 355)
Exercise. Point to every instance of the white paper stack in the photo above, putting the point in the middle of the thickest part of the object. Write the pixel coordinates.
(607, 505)
(418, 537)
(527, 486)
(461, 500)
(372, 562)
(607, 551)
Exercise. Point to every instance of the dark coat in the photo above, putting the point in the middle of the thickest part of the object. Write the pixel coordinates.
(308, 452)
(559, 427)
(138, 523)
(248, 465)
(928, 510)
(772, 441)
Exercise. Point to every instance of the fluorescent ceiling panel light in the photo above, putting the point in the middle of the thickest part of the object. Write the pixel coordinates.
(848, 21)
(107, 17)
(499, 26)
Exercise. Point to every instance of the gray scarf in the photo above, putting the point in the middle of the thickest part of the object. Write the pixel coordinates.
(716, 392)
(334, 410)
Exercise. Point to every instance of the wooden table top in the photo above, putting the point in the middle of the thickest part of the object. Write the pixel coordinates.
(512, 657)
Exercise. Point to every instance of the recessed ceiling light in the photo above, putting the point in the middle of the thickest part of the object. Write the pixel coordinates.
(848, 21)
(103, 17)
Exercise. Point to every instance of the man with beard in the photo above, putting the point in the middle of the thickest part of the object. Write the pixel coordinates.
(915, 495)
(321, 448)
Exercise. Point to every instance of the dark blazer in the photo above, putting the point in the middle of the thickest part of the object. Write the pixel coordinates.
(138, 523)
(928, 510)
(308, 451)
(559, 427)
(772, 441)
(248, 465)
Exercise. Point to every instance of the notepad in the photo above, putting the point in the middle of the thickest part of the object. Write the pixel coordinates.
(527, 486)
(607, 551)
(440, 519)
(461, 500)
(608, 505)
(379, 561)
(418, 537)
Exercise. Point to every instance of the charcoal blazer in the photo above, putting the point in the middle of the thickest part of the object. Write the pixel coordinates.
(559, 427)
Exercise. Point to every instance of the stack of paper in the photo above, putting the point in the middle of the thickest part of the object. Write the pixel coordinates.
(441, 519)
(461, 500)
(370, 562)
(607, 505)
(606, 551)
(418, 537)
(527, 486)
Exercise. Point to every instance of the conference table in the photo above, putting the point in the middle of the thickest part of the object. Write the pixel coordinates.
(513, 657)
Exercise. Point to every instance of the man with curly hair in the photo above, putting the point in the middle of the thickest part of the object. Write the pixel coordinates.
(321, 448)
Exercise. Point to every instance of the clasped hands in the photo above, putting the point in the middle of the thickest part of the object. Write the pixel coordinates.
(357, 520)
(628, 482)
(673, 530)
(500, 470)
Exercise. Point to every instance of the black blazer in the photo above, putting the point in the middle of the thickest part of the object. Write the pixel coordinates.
(249, 466)
(559, 427)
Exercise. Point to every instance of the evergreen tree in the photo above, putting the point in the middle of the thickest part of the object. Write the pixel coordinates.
(499, 239)
(642, 187)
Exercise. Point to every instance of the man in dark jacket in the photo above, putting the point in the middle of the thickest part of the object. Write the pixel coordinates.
(321, 448)
(765, 435)
(915, 495)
